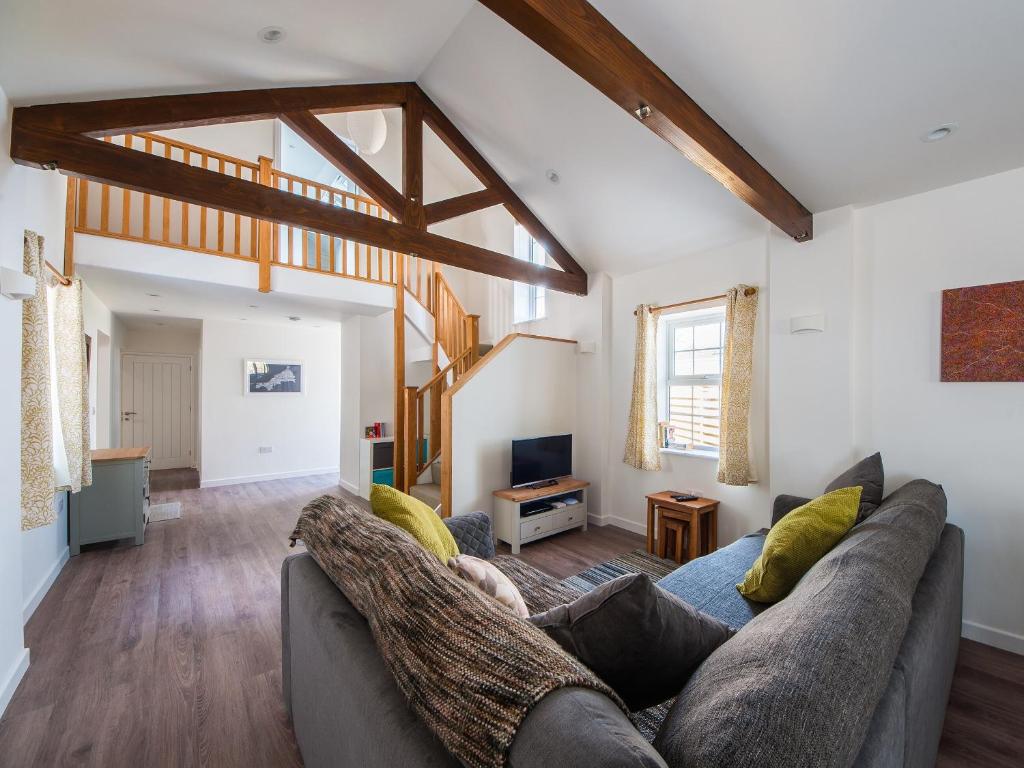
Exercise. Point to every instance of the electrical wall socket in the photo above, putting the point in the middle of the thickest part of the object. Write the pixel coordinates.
(266, 449)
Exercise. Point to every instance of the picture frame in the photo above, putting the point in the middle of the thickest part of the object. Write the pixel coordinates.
(273, 376)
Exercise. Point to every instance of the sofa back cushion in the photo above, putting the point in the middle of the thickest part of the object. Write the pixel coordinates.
(797, 686)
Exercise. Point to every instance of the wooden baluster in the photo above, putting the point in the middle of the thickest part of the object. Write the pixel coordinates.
(380, 257)
(305, 234)
(238, 218)
(146, 197)
(291, 229)
(83, 204)
(204, 162)
(359, 246)
(187, 155)
(126, 200)
(420, 436)
(254, 224)
(410, 439)
(332, 238)
(419, 278)
(263, 246)
(105, 203)
(435, 416)
(220, 219)
(473, 338)
(166, 229)
(70, 212)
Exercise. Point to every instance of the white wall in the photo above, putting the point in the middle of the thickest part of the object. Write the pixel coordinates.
(28, 200)
(500, 404)
(966, 436)
(302, 429)
(97, 318)
(743, 509)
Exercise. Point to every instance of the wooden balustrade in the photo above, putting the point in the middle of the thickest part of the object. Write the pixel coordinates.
(451, 317)
(110, 211)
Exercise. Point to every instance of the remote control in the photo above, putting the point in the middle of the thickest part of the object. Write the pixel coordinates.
(684, 497)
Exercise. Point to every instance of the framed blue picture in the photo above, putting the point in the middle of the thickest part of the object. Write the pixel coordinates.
(274, 377)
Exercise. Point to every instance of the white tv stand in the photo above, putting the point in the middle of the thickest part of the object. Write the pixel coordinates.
(514, 527)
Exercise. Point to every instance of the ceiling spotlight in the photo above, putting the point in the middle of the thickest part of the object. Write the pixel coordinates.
(254, 306)
(154, 295)
(939, 133)
(642, 112)
(154, 310)
(271, 35)
(294, 318)
(552, 176)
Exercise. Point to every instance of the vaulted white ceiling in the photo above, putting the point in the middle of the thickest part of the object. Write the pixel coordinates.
(831, 97)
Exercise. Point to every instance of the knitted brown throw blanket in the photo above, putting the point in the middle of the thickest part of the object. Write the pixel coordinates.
(470, 669)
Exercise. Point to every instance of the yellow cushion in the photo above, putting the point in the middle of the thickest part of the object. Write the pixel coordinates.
(414, 517)
(797, 542)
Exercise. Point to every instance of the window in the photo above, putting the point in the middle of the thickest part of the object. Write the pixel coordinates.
(529, 301)
(692, 356)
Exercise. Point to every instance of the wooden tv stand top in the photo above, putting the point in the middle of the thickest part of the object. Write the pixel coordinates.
(563, 485)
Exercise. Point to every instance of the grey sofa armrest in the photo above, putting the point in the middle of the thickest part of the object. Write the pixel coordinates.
(472, 533)
(784, 504)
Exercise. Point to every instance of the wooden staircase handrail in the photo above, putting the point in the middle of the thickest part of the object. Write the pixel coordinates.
(444, 371)
(446, 410)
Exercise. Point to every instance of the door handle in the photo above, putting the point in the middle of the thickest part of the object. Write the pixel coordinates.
(129, 413)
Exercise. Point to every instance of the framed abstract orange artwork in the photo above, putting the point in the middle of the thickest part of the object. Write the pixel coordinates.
(983, 333)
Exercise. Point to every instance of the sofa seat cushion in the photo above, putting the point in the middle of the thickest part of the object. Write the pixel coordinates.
(799, 685)
(709, 583)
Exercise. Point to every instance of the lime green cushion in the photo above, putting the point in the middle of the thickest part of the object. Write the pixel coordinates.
(797, 542)
(414, 517)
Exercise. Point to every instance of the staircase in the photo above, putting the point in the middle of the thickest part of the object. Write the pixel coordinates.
(94, 208)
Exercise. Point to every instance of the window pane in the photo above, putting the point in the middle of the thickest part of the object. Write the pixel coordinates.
(694, 415)
(707, 362)
(539, 305)
(684, 338)
(707, 336)
(683, 364)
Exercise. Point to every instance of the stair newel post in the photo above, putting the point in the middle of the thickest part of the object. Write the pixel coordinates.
(411, 440)
(473, 339)
(263, 246)
(399, 368)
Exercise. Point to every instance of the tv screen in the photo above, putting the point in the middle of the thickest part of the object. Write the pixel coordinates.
(541, 458)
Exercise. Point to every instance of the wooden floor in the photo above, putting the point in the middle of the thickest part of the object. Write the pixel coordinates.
(169, 654)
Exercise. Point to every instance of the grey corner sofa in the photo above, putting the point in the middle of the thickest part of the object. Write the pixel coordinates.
(853, 668)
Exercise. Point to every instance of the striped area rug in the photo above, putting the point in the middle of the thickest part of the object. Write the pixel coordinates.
(647, 721)
(637, 561)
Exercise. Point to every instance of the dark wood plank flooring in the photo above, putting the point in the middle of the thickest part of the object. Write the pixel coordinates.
(169, 654)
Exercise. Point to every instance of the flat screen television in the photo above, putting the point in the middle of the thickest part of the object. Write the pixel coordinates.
(541, 458)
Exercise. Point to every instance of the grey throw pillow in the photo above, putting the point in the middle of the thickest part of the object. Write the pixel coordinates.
(869, 475)
(641, 640)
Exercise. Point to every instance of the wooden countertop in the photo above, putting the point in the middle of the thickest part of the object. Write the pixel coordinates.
(526, 494)
(120, 454)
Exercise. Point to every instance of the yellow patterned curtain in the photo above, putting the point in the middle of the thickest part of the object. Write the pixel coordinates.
(37, 475)
(642, 435)
(54, 392)
(737, 374)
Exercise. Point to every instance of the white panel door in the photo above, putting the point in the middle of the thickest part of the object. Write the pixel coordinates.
(156, 407)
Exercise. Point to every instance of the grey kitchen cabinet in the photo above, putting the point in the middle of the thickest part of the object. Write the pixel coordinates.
(116, 505)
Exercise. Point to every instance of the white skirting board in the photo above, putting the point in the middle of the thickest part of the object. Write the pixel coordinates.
(9, 684)
(618, 522)
(217, 483)
(997, 638)
(44, 586)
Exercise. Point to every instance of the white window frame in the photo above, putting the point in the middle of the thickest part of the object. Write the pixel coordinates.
(528, 299)
(668, 378)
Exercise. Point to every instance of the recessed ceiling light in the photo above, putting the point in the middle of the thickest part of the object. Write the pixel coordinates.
(161, 323)
(939, 132)
(271, 35)
(154, 295)
(254, 306)
(294, 318)
(154, 310)
(552, 176)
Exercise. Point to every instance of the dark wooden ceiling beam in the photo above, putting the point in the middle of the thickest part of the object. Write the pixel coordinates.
(452, 207)
(327, 143)
(576, 34)
(109, 163)
(479, 167)
(412, 160)
(159, 113)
